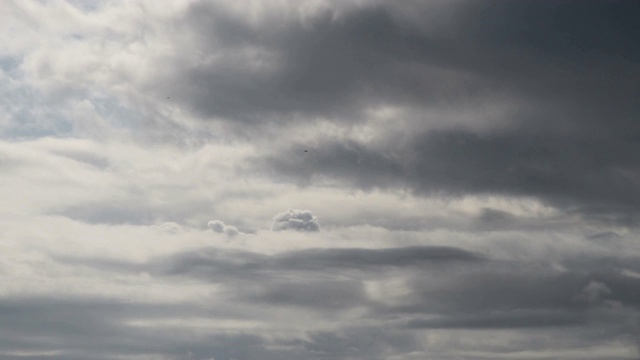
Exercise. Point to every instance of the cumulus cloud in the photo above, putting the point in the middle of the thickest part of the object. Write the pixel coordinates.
(295, 219)
(222, 228)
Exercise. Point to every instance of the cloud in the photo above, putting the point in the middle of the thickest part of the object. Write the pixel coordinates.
(220, 227)
(205, 262)
(549, 133)
(474, 164)
(334, 295)
(170, 227)
(307, 63)
(295, 219)
(591, 177)
(593, 293)
(503, 320)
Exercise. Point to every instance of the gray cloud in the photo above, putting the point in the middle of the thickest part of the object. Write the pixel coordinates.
(593, 293)
(208, 263)
(547, 54)
(571, 141)
(535, 102)
(75, 329)
(377, 258)
(132, 205)
(220, 227)
(592, 177)
(58, 329)
(322, 65)
(460, 287)
(295, 219)
(312, 294)
(446, 289)
(503, 320)
(359, 342)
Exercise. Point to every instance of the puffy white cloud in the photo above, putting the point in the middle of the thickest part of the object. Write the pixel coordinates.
(295, 219)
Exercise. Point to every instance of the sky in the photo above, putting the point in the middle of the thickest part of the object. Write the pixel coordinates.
(319, 180)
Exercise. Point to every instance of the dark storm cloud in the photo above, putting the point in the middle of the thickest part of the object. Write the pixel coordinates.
(322, 66)
(591, 176)
(574, 62)
(570, 69)
(571, 56)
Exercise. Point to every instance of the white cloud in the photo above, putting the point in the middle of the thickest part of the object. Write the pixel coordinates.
(295, 219)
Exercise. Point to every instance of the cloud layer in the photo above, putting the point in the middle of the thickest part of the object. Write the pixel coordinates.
(473, 164)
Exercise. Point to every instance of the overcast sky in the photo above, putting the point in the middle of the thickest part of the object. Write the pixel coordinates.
(319, 180)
